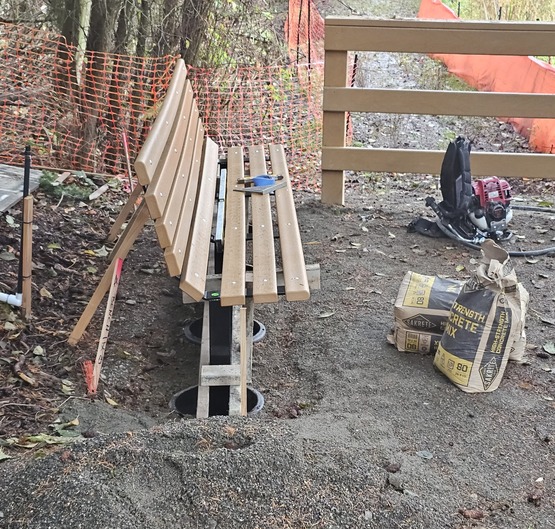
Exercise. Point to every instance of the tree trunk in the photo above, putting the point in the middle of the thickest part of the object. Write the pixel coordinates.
(100, 42)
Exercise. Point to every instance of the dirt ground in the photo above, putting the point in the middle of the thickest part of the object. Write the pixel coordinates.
(353, 433)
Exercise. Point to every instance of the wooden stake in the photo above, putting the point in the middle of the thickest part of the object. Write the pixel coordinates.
(243, 361)
(27, 253)
(106, 324)
(123, 246)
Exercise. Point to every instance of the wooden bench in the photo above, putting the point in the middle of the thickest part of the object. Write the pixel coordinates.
(218, 235)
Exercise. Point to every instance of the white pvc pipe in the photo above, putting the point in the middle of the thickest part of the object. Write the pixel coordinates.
(12, 299)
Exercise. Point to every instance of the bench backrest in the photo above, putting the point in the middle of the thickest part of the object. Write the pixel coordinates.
(171, 163)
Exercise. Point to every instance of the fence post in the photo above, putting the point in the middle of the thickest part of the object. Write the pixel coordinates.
(334, 125)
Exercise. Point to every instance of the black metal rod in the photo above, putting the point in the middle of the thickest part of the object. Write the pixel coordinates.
(26, 185)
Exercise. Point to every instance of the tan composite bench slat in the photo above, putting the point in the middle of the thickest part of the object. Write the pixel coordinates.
(176, 252)
(294, 268)
(156, 142)
(193, 277)
(160, 188)
(233, 270)
(263, 251)
(167, 225)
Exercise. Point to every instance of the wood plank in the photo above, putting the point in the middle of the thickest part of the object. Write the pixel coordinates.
(193, 275)
(234, 403)
(456, 38)
(233, 270)
(223, 375)
(156, 141)
(203, 392)
(183, 132)
(367, 22)
(124, 213)
(292, 256)
(125, 243)
(176, 252)
(167, 225)
(243, 362)
(27, 256)
(516, 165)
(439, 102)
(263, 258)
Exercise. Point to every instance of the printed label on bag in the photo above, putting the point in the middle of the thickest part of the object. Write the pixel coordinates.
(457, 369)
(430, 292)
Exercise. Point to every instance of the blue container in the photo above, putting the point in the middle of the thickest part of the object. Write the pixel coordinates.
(263, 180)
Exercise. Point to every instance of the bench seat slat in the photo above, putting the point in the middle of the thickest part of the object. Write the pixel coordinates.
(294, 269)
(160, 190)
(176, 252)
(193, 276)
(179, 199)
(157, 140)
(263, 250)
(233, 270)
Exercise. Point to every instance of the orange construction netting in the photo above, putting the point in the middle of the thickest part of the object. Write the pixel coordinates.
(78, 121)
(304, 33)
(502, 74)
(73, 123)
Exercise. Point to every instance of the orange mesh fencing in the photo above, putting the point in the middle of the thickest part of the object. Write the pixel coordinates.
(261, 105)
(78, 121)
(304, 33)
(70, 122)
(502, 74)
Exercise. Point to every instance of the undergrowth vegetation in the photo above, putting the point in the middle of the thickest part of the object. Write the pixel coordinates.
(543, 10)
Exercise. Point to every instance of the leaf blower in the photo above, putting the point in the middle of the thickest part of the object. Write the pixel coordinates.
(471, 212)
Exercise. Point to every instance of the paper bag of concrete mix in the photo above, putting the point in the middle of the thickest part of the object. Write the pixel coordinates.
(485, 325)
(423, 302)
(413, 341)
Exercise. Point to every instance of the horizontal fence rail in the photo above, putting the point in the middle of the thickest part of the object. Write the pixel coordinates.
(353, 34)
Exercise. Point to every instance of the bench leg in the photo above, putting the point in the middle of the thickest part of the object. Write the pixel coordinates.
(225, 358)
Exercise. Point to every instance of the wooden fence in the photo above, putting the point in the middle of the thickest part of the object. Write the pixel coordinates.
(353, 34)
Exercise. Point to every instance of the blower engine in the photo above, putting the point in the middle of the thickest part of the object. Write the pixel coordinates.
(492, 212)
(471, 211)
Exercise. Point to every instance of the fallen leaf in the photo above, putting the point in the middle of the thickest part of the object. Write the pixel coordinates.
(459, 268)
(45, 294)
(101, 252)
(549, 347)
(3, 455)
(230, 430)
(473, 514)
(7, 256)
(111, 402)
(325, 315)
(38, 351)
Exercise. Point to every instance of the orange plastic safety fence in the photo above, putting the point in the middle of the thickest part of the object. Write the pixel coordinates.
(304, 32)
(265, 105)
(74, 119)
(502, 74)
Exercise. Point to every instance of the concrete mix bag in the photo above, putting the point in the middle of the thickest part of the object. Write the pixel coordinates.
(421, 311)
(486, 325)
